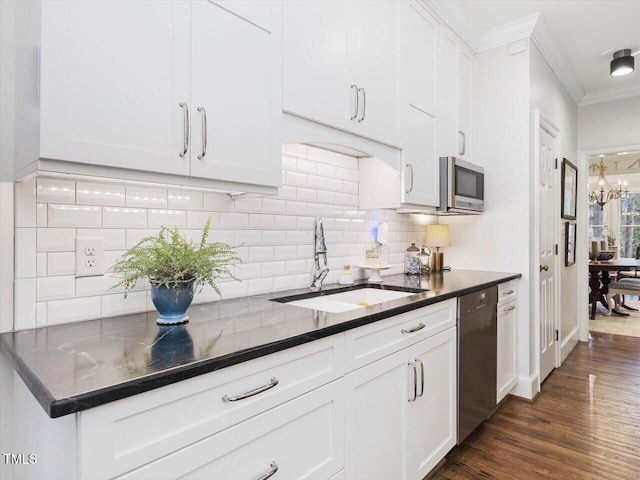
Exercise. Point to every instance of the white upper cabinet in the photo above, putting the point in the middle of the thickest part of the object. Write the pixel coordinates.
(110, 90)
(420, 180)
(455, 97)
(235, 91)
(340, 65)
(162, 87)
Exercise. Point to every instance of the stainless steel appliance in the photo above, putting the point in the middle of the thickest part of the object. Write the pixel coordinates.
(461, 187)
(477, 343)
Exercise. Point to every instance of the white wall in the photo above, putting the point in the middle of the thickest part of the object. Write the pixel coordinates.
(274, 235)
(499, 238)
(549, 96)
(609, 124)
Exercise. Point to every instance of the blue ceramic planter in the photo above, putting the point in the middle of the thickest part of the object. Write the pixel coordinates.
(172, 301)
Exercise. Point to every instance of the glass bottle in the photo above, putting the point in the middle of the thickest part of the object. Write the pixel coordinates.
(372, 253)
(412, 260)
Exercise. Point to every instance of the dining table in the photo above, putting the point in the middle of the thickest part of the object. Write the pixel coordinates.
(600, 278)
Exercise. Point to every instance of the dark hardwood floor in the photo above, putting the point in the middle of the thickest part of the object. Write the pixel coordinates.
(585, 424)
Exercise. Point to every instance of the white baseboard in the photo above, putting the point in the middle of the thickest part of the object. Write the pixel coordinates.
(568, 344)
(527, 387)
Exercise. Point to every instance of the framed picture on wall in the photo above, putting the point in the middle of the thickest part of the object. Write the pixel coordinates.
(569, 189)
(569, 243)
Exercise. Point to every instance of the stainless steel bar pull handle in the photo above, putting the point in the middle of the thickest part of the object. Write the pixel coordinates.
(410, 189)
(355, 115)
(420, 326)
(464, 142)
(187, 128)
(274, 381)
(364, 104)
(204, 132)
(421, 377)
(273, 468)
(415, 382)
(509, 309)
(508, 292)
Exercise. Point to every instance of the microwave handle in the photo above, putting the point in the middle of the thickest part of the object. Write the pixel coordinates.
(410, 189)
(464, 143)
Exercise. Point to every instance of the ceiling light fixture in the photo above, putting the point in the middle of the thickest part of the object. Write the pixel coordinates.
(622, 63)
(598, 194)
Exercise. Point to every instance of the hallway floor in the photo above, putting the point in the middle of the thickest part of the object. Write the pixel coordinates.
(584, 425)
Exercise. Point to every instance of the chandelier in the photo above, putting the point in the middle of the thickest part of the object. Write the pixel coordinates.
(603, 192)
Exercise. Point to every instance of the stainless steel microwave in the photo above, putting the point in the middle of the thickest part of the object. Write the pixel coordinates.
(461, 187)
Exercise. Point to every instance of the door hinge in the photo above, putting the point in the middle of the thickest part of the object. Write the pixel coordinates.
(556, 248)
(556, 163)
(557, 335)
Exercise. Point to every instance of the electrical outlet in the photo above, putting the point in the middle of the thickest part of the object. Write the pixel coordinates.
(89, 257)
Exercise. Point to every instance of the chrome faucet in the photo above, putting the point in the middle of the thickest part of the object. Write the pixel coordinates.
(320, 269)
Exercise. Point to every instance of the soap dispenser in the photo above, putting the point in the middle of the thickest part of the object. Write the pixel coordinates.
(346, 276)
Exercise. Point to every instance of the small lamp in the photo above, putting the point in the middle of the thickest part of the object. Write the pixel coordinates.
(437, 236)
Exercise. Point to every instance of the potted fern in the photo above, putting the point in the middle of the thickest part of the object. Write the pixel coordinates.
(176, 269)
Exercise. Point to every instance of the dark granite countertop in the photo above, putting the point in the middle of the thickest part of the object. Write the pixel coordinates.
(73, 367)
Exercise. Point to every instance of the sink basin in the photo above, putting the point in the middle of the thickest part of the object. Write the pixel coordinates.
(351, 300)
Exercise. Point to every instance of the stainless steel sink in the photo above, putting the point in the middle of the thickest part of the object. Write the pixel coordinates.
(349, 300)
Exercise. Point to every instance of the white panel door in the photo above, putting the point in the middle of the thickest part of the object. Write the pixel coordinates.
(432, 417)
(316, 57)
(420, 180)
(547, 195)
(375, 430)
(235, 91)
(376, 43)
(506, 354)
(465, 106)
(113, 76)
(447, 72)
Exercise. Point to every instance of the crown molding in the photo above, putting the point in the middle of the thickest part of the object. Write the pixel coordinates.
(509, 32)
(453, 16)
(542, 38)
(610, 94)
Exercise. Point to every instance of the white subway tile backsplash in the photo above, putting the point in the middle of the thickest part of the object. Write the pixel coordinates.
(350, 162)
(146, 197)
(350, 187)
(54, 190)
(100, 285)
(306, 166)
(287, 192)
(245, 271)
(261, 254)
(119, 217)
(72, 216)
(185, 200)
(166, 218)
(25, 203)
(100, 194)
(334, 185)
(135, 235)
(260, 285)
(116, 304)
(296, 150)
(272, 269)
(315, 181)
(218, 202)
(248, 205)
(284, 252)
(73, 310)
(248, 237)
(224, 236)
(274, 237)
(56, 239)
(296, 266)
(305, 194)
(296, 179)
(114, 238)
(261, 221)
(296, 208)
(286, 282)
(55, 288)
(41, 314)
(234, 220)
(327, 171)
(233, 289)
(316, 209)
(289, 163)
(272, 205)
(199, 219)
(61, 263)
(24, 297)
(25, 253)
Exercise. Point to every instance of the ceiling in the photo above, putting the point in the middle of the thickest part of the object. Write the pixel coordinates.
(623, 163)
(586, 31)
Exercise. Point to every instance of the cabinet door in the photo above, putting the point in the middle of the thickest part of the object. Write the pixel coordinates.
(316, 58)
(303, 439)
(465, 103)
(506, 373)
(236, 84)
(447, 72)
(375, 431)
(110, 89)
(420, 177)
(376, 44)
(432, 417)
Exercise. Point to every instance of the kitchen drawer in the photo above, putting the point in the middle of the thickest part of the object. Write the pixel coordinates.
(122, 435)
(304, 438)
(374, 341)
(507, 292)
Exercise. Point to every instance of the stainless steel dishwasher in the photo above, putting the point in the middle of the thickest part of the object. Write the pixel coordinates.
(477, 343)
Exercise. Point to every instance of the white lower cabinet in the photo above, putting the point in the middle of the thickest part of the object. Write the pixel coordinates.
(401, 411)
(300, 439)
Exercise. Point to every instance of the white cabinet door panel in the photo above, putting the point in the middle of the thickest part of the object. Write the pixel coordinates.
(110, 89)
(432, 417)
(316, 58)
(237, 88)
(420, 179)
(375, 419)
(465, 107)
(447, 96)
